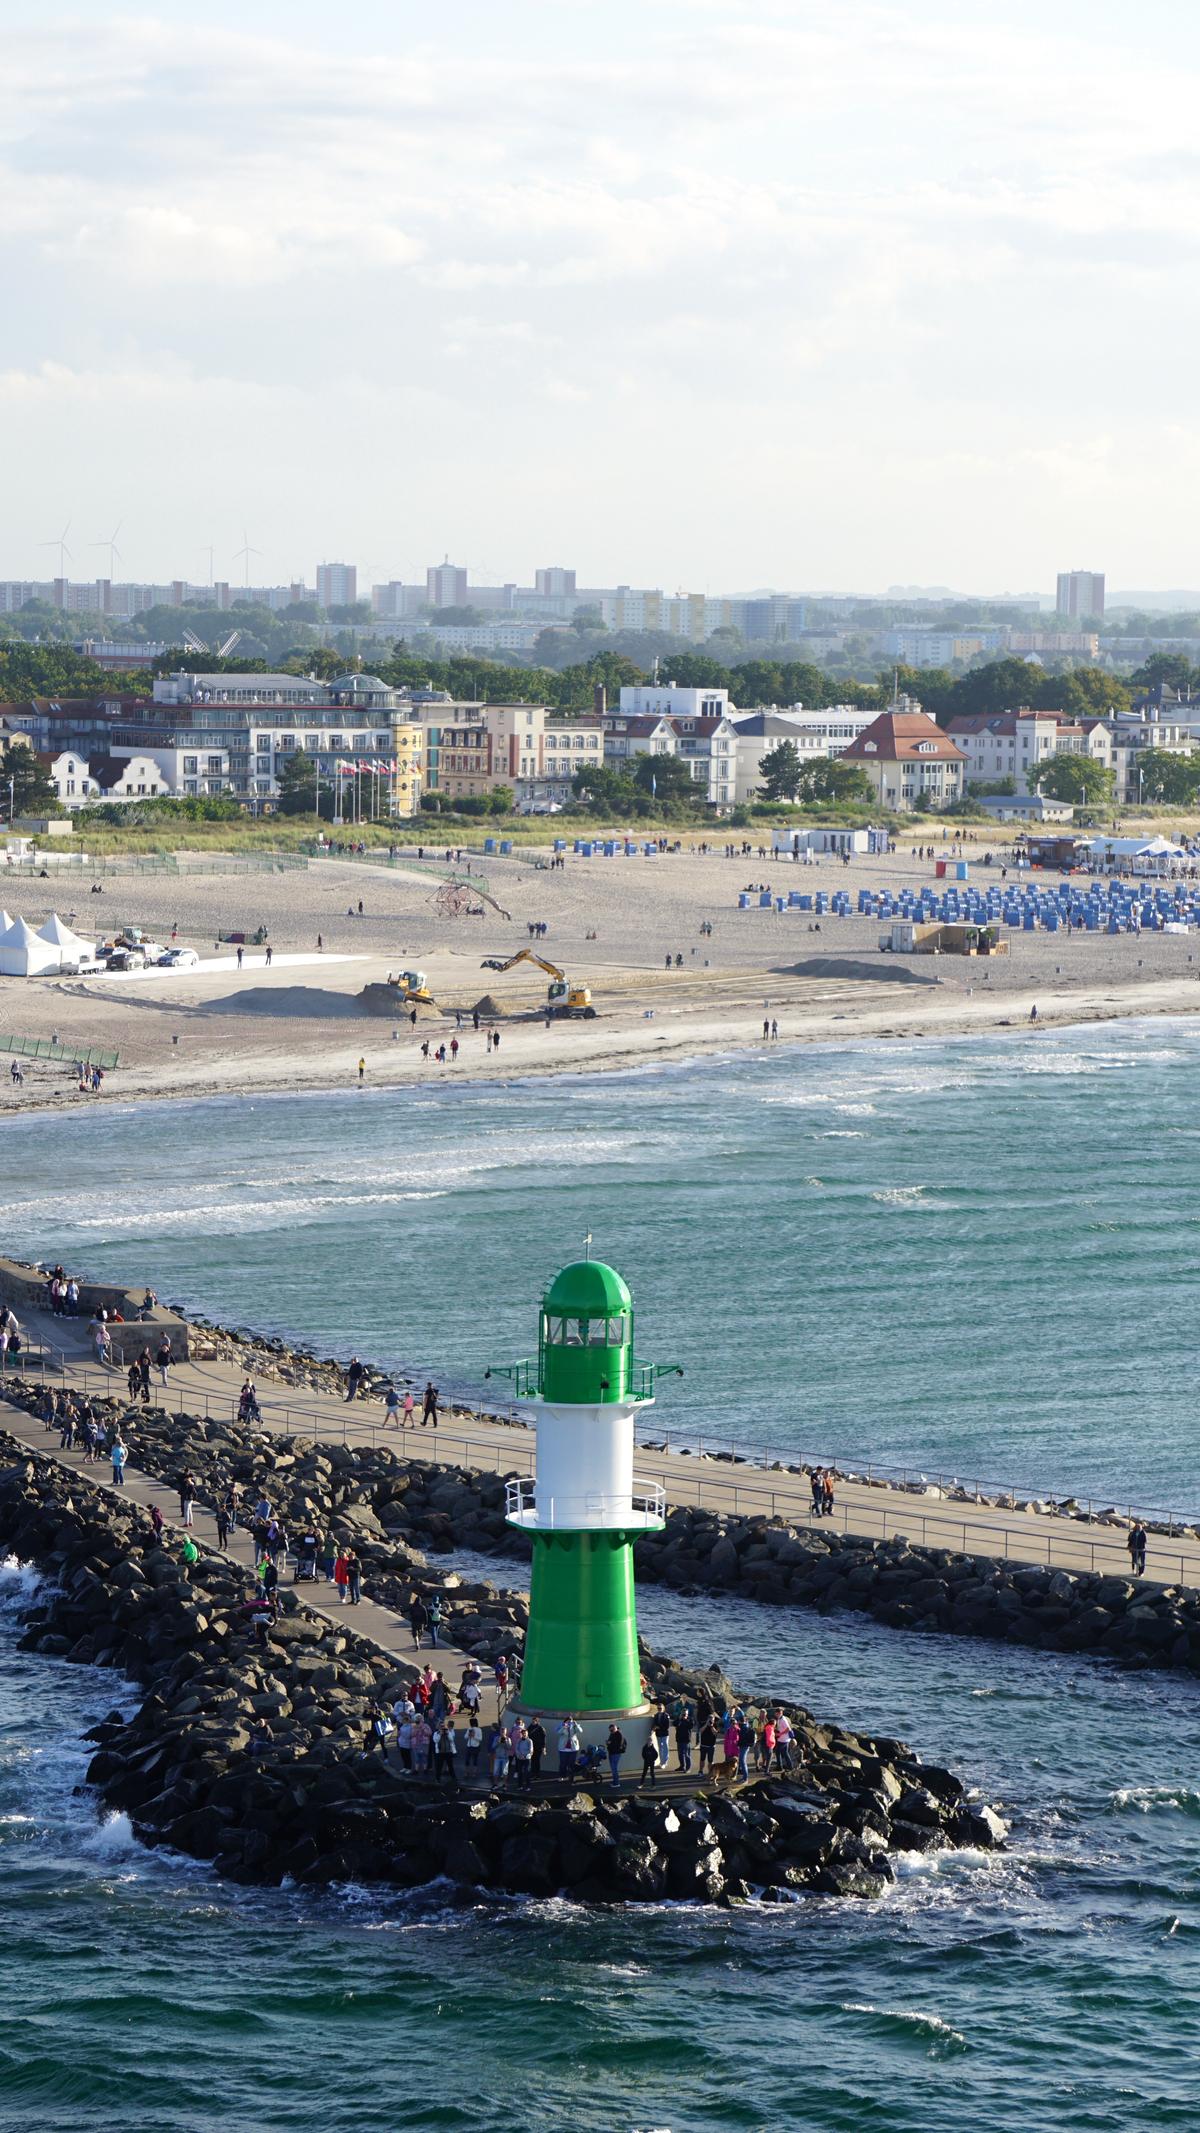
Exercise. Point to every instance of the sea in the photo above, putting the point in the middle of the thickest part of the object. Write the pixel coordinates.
(975, 1255)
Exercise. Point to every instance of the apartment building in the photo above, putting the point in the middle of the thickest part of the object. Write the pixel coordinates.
(908, 758)
(470, 749)
(1011, 744)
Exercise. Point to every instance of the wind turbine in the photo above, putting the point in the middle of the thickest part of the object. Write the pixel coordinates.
(63, 550)
(114, 553)
(243, 555)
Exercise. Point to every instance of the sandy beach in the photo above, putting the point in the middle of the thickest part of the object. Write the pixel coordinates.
(300, 1025)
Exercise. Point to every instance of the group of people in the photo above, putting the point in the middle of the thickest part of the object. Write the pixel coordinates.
(821, 1482)
(80, 1429)
(12, 1345)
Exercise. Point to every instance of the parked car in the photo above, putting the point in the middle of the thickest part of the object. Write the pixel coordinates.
(178, 959)
(127, 959)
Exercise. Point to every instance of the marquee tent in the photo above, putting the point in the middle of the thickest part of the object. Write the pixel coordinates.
(71, 946)
(24, 954)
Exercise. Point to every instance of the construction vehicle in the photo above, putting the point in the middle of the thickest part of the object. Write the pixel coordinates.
(561, 998)
(415, 986)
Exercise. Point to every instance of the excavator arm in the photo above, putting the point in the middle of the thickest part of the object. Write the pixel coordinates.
(526, 955)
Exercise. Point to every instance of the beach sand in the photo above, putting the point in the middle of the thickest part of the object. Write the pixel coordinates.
(299, 1024)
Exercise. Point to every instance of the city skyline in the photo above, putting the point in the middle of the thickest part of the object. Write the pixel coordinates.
(796, 298)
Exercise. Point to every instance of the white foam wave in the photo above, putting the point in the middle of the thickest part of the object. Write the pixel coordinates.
(112, 1837)
(931, 2026)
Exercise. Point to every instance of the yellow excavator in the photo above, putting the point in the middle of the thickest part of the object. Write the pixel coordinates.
(561, 998)
(415, 986)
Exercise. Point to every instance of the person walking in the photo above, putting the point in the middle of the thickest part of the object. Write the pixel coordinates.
(522, 1754)
(649, 1761)
(472, 1746)
(379, 1727)
(435, 1618)
(783, 1741)
(186, 1486)
(827, 1492)
(707, 1743)
(445, 1752)
(354, 1577)
(1136, 1545)
(683, 1737)
(409, 1405)
(119, 1456)
(661, 1728)
(354, 1377)
(391, 1408)
(362, 1068)
(429, 1412)
(570, 1744)
(221, 1514)
(164, 1359)
(615, 1747)
(418, 1620)
(143, 1368)
(537, 1742)
(341, 1576)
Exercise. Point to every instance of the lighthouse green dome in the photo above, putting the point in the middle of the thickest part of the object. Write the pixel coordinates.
(588, 1289)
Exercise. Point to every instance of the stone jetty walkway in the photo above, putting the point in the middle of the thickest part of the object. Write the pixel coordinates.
(388, 1631)
(477, 1441)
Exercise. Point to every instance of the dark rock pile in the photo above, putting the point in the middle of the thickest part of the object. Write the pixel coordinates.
(258, 1758)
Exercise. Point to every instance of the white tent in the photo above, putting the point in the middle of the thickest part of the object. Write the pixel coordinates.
(71, 946)
(24, 954)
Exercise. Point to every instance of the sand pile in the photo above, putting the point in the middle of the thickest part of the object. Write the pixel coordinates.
(889, 970)
(295, 1001)
(488, 1009)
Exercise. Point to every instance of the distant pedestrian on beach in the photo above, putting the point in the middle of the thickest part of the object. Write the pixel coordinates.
(1136, 1545)
(320, 944)
(362, 1068)
(767, 1027)
(240, 957)
(429, 1412)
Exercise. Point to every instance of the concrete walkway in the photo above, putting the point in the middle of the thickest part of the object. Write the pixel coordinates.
(472, 1440)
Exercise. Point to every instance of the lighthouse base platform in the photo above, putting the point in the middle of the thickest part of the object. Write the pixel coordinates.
(593, 1727)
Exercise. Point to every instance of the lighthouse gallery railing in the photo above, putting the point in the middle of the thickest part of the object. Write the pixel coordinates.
(648, 1500)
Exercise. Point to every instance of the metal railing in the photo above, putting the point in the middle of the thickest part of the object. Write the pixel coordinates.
(47, 1048)
(980, 1530)
(594, 1508)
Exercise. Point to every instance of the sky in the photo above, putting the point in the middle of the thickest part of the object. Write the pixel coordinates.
(679, 293)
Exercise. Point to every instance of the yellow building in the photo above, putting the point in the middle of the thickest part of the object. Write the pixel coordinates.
(408, 755)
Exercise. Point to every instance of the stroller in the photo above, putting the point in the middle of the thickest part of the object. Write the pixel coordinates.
(306, 1557)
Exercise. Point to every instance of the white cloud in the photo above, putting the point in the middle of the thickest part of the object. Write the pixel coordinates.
(796, 247)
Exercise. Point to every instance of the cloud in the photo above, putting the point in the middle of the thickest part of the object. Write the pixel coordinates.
(869, 221)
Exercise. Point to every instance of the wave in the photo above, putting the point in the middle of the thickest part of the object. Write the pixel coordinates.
(1157, 1799)
(911, 2025)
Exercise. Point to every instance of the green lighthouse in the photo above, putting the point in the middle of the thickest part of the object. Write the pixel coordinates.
(584, 1510)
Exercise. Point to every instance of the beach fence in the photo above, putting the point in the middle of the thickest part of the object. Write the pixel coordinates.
(62, 1054)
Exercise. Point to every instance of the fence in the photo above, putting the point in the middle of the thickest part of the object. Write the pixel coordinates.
(980, 1530)
(46, 1048)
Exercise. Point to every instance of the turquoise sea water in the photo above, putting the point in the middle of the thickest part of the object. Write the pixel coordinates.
(978, 1257)
(974, 1254)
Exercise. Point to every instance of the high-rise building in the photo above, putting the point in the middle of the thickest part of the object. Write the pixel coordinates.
(337, 585)
(554, 584)
(1080, 593)
(446, 585)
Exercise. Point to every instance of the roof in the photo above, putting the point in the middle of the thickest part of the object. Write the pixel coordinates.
(640, 723)
(587, 1289)
(108, 770)
(903, 737)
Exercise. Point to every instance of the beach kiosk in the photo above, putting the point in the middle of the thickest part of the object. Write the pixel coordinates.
(584, 1509)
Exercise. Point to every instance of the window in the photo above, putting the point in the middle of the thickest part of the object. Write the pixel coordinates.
(585, 1332)
(212, 764)
(191, 764)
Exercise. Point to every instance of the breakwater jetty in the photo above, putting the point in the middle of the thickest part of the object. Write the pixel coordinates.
(400, 1512)
(254, 1751)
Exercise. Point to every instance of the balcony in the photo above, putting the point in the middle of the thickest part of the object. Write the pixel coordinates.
(646, 1507)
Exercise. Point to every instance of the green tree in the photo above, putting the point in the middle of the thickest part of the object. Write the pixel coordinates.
(665, 777)
(1174, 668)
(831, 779)
(500, 800)
(781, 771)
(297, 781)
(694, 670)
(1163, 776)
(33, 790)
(1074, 778)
